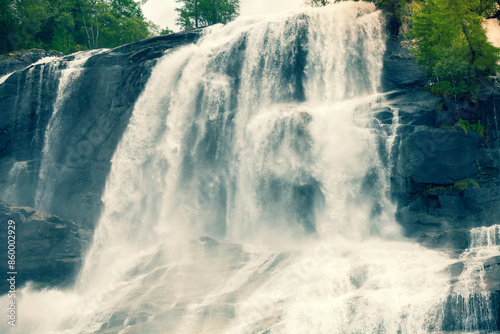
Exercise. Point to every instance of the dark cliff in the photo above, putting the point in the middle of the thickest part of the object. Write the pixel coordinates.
(445, 177)
(446, 155)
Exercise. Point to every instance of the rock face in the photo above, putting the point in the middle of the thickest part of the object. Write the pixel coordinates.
(400, 69)
(48, 250)
(446, 155)
(445, 181)
(87, 114)
(445, 176)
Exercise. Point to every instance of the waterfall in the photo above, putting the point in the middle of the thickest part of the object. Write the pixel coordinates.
(32, 181)
(5, 77)
(470, 301)
(48, 166)
(249, 194)
(29, 97)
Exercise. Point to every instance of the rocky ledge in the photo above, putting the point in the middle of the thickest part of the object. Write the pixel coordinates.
(48, 250)
(18, 60)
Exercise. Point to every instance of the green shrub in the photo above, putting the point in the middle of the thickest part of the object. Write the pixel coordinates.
(465, 184)
(442, 89)
(460, 185)
(466, 126)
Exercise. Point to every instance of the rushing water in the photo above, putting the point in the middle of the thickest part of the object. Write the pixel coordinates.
(48, 171)
(249, 195)
(24, 184)
(30, 90)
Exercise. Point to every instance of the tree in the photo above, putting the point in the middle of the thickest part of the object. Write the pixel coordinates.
(451, 44)
(166, 31)
(9, 26)
(71, 25)
(201, 13)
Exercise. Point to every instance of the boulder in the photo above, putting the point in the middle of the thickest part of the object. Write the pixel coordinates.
(439, 156)
(48, 250)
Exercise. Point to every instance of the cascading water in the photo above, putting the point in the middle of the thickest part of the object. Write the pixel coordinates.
(48, 170)
(248, 195)
(470, 301)
(29, 98)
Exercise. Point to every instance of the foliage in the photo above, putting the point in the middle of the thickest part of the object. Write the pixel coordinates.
(70, 25)
(395, 10)
(8, 24)
(466, 126)
(460, 185)
(465, 184)
(442, 89)
(166, 31)
(201, 13)
(451, 43)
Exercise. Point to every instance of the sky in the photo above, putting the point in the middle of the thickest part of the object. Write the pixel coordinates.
(162, 12)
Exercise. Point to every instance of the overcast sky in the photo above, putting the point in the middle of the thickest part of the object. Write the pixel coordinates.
(162, 12)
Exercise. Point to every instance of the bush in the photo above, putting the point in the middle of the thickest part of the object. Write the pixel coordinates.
(466, 126)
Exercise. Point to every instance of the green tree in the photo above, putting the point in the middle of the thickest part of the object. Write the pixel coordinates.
(166, 31)
(201, 13)
(9, 26)
(71, 25)
(451, 44)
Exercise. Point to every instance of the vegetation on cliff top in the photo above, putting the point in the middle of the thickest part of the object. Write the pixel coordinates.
(459, 186)
(71, 25)
(74, 25)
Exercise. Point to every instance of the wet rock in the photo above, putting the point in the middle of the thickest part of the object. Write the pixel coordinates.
(48, 250)
(492, 273)
(445, 178)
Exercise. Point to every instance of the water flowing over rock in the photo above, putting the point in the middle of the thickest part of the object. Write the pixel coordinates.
(258, 177)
